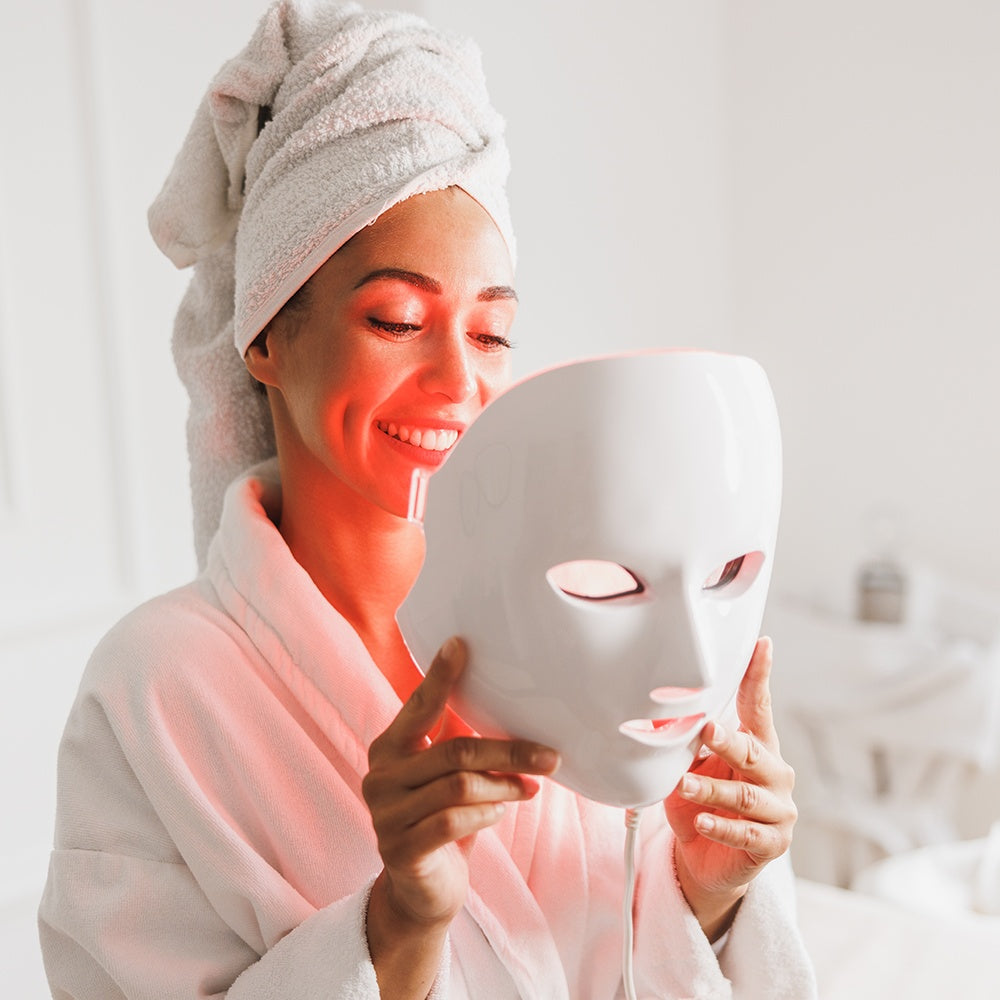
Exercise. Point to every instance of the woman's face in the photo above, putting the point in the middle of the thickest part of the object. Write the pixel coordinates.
(403, 343)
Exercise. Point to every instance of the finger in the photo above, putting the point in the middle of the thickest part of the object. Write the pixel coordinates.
(747, 755)
(438, 830)
(764, 842)
(412, 773)
(423, 710)
(474, 754)
(743, 799)
(450, 791)
(753, 700)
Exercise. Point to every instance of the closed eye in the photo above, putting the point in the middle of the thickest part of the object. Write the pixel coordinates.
(491, 341)
(593, 580)
(394, 329)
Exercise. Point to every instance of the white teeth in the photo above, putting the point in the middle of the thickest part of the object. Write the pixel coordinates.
(429, 440)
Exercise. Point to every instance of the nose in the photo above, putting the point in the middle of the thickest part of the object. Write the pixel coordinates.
(450, 368)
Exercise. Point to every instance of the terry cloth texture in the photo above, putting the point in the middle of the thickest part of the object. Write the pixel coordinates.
(330, 116)
(212, 839)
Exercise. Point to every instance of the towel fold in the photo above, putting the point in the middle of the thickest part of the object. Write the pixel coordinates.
(330, 116)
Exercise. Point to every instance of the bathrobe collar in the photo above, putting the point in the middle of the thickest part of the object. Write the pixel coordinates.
(326, 666)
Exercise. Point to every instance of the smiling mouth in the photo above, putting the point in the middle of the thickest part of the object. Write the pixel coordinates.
(429, 439)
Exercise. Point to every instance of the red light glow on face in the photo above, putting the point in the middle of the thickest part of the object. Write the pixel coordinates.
(403, 345)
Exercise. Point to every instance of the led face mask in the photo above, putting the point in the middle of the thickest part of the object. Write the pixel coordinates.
(602, 539)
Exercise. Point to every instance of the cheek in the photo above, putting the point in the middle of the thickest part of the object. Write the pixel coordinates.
(496, 379)
(319, 404)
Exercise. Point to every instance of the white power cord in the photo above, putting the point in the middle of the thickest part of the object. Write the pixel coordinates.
(632, 819)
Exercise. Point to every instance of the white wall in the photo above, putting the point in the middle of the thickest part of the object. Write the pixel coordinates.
(93, 492)
(864, 158)
(618, 187)
(814, 185)
(865, 238)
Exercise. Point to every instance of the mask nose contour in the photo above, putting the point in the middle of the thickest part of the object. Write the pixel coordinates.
(681, 648)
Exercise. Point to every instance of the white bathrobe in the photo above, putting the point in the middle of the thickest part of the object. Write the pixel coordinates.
(211, 839)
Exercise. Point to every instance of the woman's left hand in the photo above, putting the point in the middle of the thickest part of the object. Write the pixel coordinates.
(733, 812)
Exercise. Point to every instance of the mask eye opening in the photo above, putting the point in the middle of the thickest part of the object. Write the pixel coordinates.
(593, 580)
(724, 575)
(732, 578)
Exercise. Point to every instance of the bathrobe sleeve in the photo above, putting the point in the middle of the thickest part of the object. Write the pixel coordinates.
(169, 880)
(115, 927)
(763, 957)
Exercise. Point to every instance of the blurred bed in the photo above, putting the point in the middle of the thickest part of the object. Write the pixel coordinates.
(865, 947)
(890, 728)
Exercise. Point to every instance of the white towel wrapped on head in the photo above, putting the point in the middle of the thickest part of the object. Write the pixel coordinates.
(331, 115)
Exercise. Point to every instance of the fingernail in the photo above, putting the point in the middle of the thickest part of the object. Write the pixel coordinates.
(704, 822)
(545, 759)
(450, 649)
(718, 733)
(689, 785)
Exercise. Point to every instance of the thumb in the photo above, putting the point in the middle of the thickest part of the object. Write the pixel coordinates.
(753, 700)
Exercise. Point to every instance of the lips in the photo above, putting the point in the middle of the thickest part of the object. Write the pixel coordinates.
(427, 438)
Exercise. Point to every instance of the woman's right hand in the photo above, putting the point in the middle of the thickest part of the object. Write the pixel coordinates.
(429, 793)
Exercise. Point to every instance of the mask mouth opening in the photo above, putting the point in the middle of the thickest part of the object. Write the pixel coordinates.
(663, 732)
(679, 699)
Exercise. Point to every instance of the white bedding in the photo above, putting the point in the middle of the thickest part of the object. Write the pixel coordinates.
(864, 947)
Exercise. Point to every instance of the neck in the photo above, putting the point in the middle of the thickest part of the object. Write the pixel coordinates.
(363, 560)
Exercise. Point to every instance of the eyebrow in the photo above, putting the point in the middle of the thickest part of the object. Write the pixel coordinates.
(427, 284)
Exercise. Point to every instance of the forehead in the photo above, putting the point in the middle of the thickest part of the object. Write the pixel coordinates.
(444, 234)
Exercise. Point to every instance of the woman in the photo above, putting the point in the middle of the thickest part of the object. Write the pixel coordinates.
(259, 795)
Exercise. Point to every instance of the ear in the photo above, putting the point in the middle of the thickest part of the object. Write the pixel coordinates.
(259, 359)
